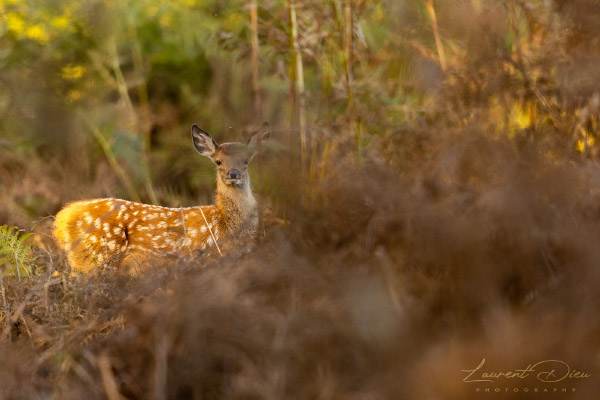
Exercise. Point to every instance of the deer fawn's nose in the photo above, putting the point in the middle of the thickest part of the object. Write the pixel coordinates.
(233, 174)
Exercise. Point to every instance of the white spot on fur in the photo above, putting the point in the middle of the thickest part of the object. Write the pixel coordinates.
(117, 230)
(97, 223)
(92, 238)
(136, 247)
(111, 245)
(210, 241)
(88, 218)
(203, 229)
(106, 227)
(193, 232)
(162, 225)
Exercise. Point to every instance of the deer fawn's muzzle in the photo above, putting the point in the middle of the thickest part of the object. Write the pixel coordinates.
(233, 174)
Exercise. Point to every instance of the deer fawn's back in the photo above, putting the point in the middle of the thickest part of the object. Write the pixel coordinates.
(112, 231)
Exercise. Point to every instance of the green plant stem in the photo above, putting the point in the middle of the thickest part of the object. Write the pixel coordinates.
(297, 78)
(18, 271)
(134, 120)
(113, 161)
(4, 302)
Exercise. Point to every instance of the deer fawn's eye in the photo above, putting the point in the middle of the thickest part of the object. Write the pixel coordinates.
(246, 161)
(218, 162)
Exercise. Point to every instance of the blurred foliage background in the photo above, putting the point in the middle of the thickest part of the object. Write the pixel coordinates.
(97, 96)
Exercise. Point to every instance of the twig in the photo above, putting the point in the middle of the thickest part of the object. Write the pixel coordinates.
(108, 378)
(211, 232)
(254, 46)
(161, 346)
(297, 77)
(346, 44)
(436, 34)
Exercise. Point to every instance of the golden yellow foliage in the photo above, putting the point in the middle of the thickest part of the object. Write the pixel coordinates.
(72, 72)
(73, 95)
(165, 20)
(60, 22)
(520, 117)
(584, 143)
(15, 23)
(233, 20)
(38, 33)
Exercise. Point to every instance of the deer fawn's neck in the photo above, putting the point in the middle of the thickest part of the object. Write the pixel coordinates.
(237, 207)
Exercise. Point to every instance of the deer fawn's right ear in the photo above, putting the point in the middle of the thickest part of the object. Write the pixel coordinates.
(203, 142)
(256, 139)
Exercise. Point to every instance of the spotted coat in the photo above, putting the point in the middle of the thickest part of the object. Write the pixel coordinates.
(97, 232)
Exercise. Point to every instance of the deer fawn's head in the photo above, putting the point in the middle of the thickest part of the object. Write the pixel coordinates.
(231, 159)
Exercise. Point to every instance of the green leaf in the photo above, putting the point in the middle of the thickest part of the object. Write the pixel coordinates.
(13, 250)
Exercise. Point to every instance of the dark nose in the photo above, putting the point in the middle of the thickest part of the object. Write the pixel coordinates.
(233, 174)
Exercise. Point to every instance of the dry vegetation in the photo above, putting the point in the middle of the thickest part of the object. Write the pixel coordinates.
(437, 162)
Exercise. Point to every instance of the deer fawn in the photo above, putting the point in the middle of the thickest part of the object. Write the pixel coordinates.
(118, 232)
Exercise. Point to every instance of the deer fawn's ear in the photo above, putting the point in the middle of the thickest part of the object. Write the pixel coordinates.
(255, 140)
(203, 142)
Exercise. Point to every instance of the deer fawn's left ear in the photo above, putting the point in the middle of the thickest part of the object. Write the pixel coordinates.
(203, 142)
(255, 140)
